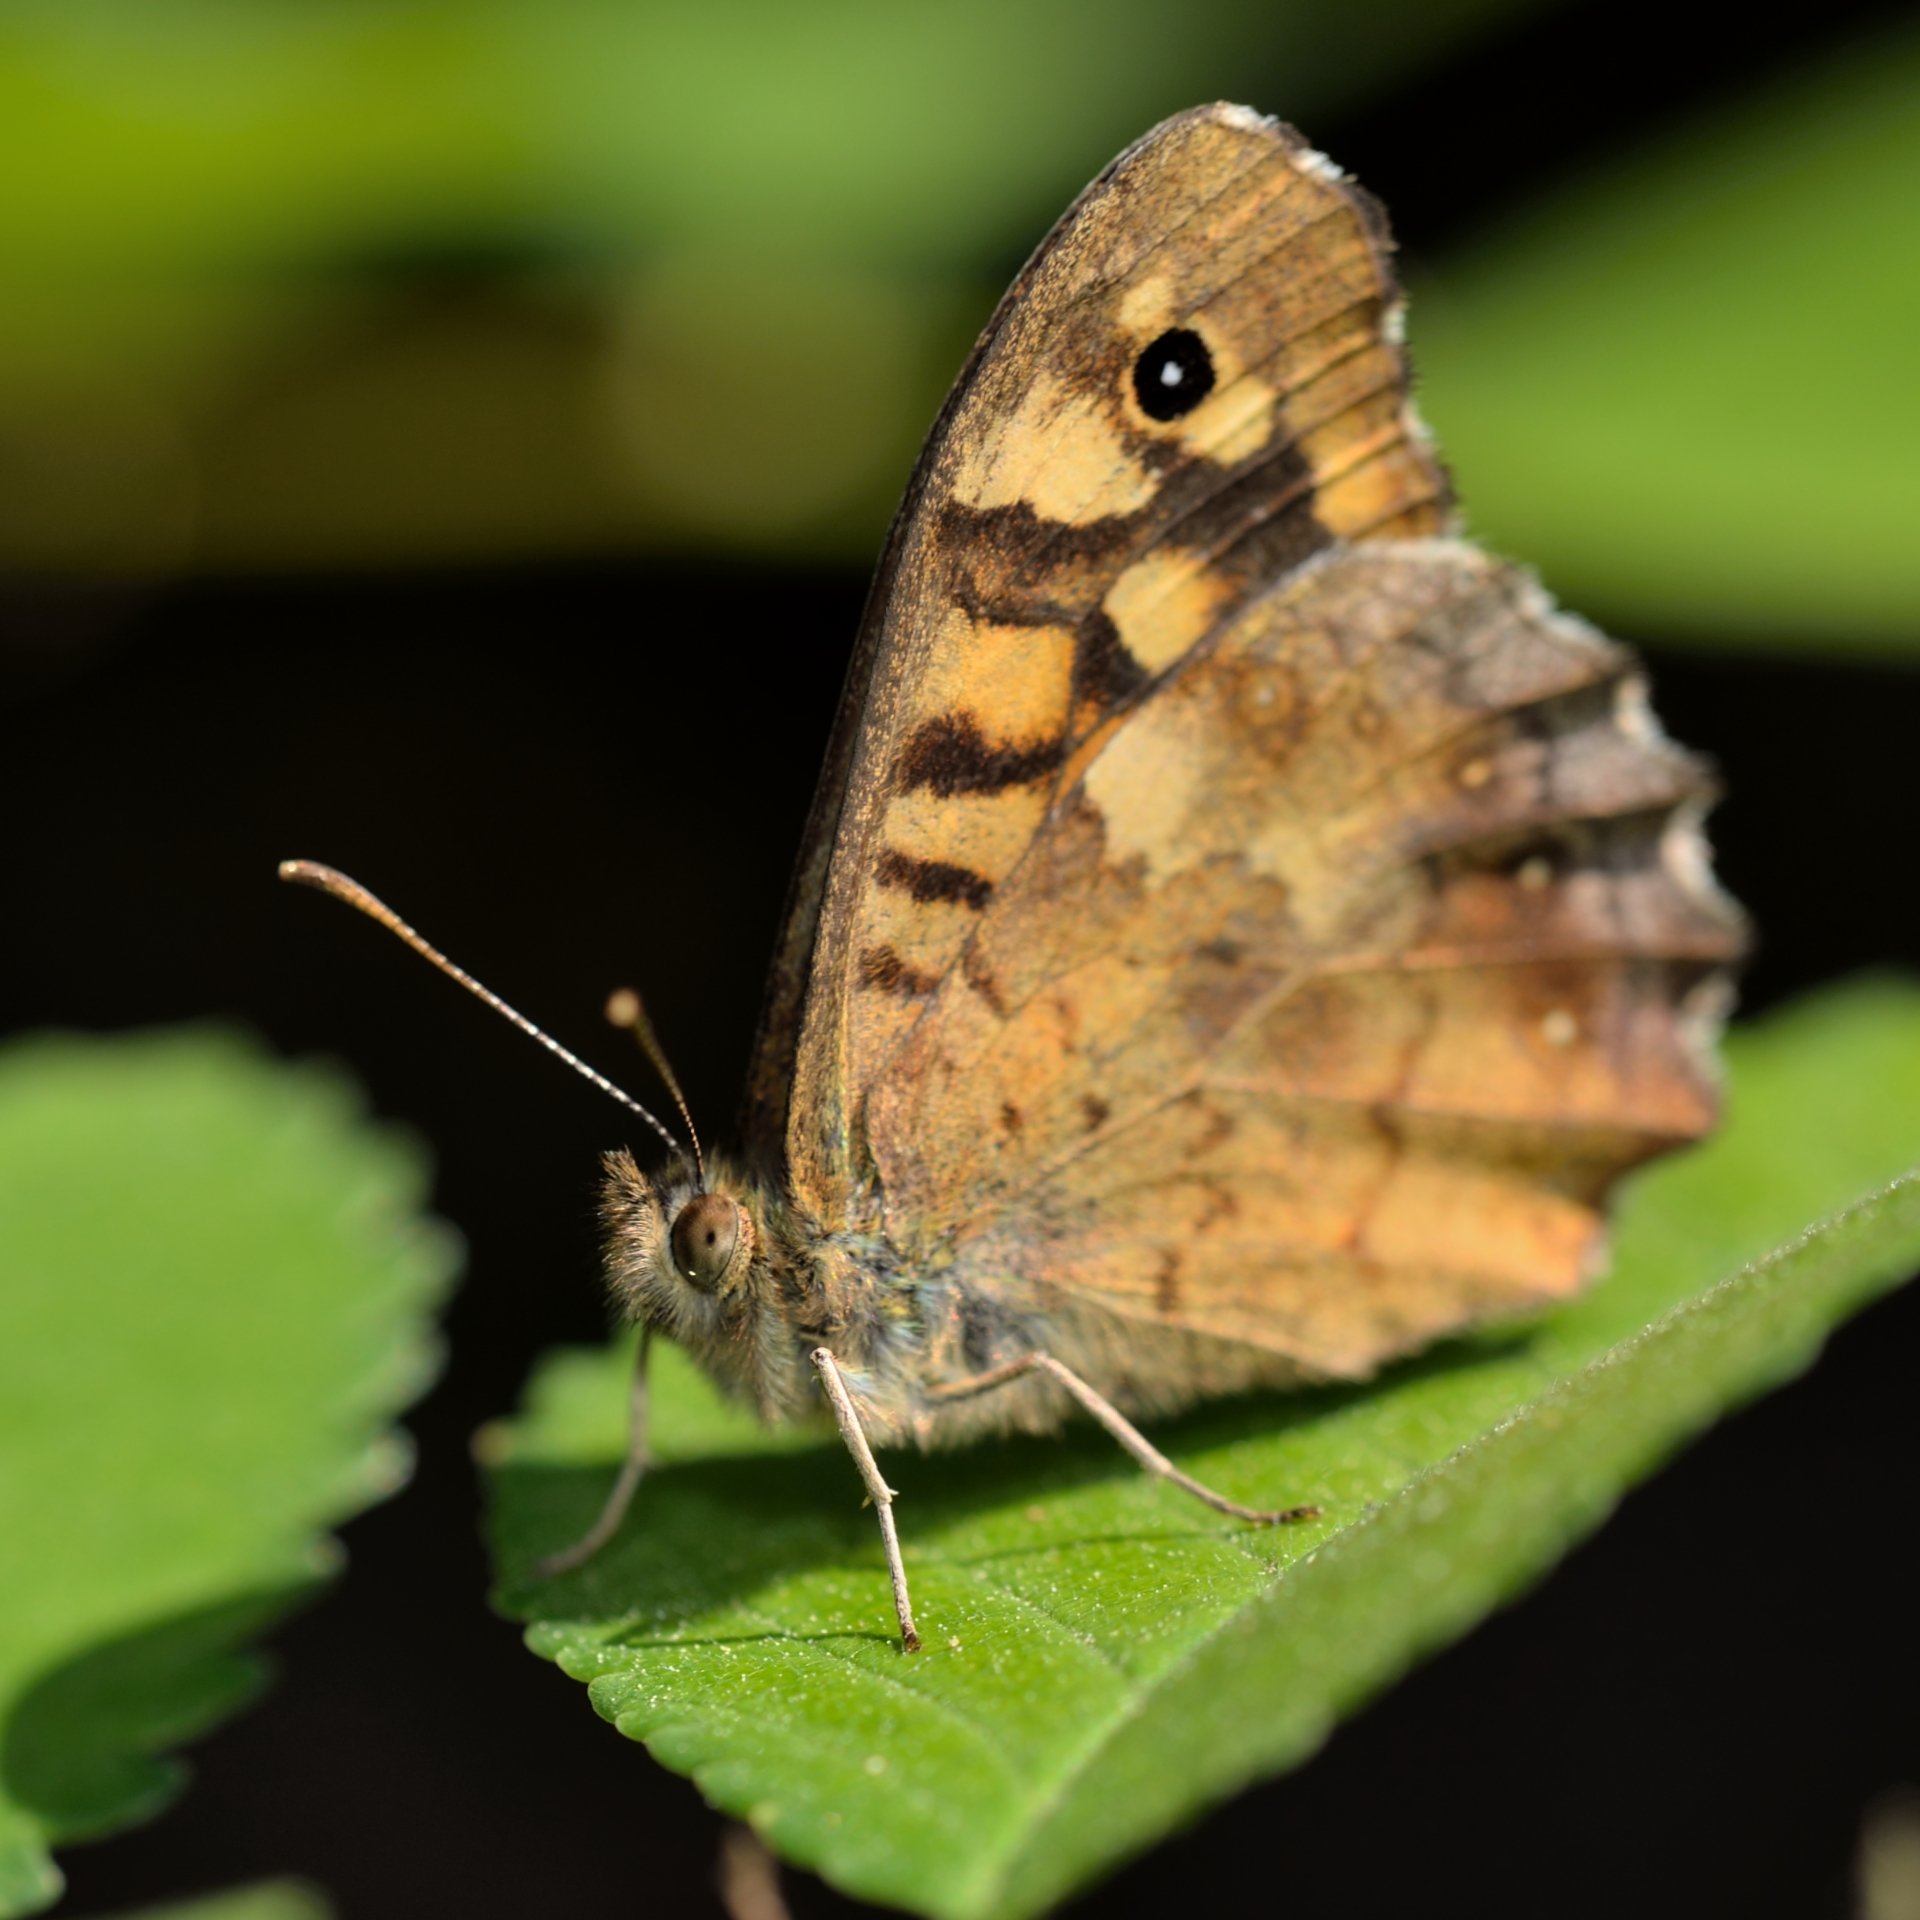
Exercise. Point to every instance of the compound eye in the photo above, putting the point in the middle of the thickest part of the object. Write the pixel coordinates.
(704, 1238)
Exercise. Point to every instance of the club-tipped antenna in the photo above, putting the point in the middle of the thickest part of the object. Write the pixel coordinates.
(626, 1009)
(310, 873)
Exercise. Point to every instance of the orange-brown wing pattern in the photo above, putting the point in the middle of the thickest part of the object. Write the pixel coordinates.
(1333, 994)
(1067, 540)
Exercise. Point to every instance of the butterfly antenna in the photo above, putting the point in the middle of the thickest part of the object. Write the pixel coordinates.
(310, 873)
(625, 1009)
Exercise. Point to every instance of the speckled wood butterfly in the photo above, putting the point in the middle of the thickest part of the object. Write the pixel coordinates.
(1243, 931)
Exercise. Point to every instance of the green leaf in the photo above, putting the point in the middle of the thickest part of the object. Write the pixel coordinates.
(1685, 389)
(214, 1290)
(1105, 1659)
(180, 137)
(739, 252)
(263, 1900)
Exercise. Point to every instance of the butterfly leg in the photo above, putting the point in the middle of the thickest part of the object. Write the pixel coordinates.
(632, 1469)
(878, 1492)
(1122, 1429)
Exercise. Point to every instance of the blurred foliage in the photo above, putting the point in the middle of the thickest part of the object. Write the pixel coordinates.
(1686, 388)
(263, 1900)
(1103, 1658)
(1888, 1872)
(321, 284)
(315, 283)
(215, 134)
(214, 1290)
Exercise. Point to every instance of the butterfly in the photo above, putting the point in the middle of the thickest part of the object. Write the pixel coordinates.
(1243, 931)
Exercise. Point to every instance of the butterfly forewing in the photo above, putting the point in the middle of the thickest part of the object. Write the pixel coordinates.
(1192, 389)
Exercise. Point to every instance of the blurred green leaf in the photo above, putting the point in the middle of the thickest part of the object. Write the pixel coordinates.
(214, 1290)
(1103, 1659)
(305, 283)
(309, 283)
(263, 1900)
(198, 135)
(1686, 388)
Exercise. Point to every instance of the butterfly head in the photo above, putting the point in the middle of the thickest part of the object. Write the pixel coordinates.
(691, 1259)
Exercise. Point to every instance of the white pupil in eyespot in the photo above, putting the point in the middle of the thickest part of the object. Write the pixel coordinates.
(1172, 374)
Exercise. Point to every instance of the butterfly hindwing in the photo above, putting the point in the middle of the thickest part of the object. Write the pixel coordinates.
(1337, 990)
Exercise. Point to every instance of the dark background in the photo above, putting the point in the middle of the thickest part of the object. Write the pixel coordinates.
(579, 777)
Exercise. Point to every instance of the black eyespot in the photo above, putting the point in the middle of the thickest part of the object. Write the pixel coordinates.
(1173, 375)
